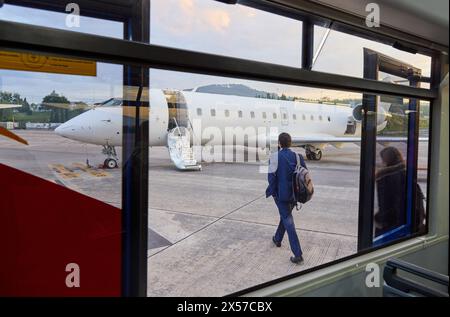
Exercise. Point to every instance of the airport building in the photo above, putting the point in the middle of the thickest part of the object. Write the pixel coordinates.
(138, 141)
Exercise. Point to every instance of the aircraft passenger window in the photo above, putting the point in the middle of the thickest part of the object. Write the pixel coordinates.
(284, 116)
(199, 111)
(252, 114)
(264, 115)
(294, 117)
(240, 114)
(213, 112)
(303, 117)
(329, 119)
(274, 115)
(312, 118)
(320, 118)
(227, 113)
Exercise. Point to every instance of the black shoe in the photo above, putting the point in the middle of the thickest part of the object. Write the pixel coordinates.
(278, 244)
(297, 259)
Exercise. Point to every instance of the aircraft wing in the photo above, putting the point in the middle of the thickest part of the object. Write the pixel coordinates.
(9, 106)
(325, 138)
(69, 106)
(11, 135)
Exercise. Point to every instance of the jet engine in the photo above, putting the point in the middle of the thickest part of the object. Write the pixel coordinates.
(382, 114)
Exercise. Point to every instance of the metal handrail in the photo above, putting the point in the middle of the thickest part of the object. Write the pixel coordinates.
(401, 286)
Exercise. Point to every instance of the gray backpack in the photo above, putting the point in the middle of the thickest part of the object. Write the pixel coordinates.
(302, 185)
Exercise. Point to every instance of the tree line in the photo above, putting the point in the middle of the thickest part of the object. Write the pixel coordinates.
(59, 113)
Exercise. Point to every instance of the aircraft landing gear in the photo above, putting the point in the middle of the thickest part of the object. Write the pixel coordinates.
(313, 154)
(112, 161)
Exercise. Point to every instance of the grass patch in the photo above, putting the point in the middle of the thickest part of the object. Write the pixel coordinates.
(35, 117)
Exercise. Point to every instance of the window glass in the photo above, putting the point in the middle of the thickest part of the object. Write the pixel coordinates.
(422, 163)
(217, 219)
(45, 102)
(400, 203)
(61, 20)
(223, 29)
(61, 155)
(343, 53)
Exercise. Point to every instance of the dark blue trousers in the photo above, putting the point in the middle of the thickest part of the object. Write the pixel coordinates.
(287, 224)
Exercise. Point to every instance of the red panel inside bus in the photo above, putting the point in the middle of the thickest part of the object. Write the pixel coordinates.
(44, 228)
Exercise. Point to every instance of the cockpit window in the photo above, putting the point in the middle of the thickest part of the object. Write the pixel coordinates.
(111, 102)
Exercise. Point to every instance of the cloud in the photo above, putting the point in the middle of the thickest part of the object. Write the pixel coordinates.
(230, 30)
(185, 17)
(217, 19)
(187, 5)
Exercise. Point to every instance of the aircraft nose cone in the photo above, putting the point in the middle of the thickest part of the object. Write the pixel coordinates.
(64, 130)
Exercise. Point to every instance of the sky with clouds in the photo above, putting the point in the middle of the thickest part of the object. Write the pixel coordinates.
(206, 26)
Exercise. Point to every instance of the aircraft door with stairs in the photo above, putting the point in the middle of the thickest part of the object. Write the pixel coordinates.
(180, 132)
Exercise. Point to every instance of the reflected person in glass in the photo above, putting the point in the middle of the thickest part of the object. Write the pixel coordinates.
(391, 191)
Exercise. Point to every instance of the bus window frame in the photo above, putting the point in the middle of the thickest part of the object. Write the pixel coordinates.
(35, 39)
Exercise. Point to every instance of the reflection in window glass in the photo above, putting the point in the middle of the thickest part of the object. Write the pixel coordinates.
(66, 192)
(223, 29)
(57, 20)
(217, 219)
(396, 195)
(54, 115)
(391, 188)
(422, 166)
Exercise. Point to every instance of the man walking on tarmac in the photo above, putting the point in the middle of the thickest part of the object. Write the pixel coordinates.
(281, 169)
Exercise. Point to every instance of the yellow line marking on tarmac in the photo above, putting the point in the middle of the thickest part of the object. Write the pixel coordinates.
(64, 172)
(71, 173)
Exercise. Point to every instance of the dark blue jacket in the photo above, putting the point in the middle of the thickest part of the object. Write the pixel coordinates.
(281, 167)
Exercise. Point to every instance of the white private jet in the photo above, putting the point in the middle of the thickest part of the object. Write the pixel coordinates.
(174, 116)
